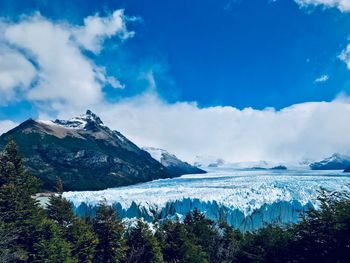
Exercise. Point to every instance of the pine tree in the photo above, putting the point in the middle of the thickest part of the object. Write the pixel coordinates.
(83, 239)
(228, 244)
(52, 248)
(201, 231)
(60, 209)
(143, 247)
(177, 246)
(110, 233)
(8, 250)
(73, 229)
(18, 210)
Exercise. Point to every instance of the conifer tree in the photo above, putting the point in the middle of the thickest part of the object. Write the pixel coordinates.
(83, 240)
(8, 249)
(177, 246)
(201, 231)
(143, 247)
(60, 209)
(73, 229)
(52, 248)
(18, 210)
(110, 233)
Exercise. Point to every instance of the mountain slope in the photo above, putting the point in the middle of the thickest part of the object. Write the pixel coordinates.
(175, 166)
(335, 162)
(83, 152)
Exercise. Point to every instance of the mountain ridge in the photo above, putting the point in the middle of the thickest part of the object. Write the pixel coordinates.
(83, 152)
(173, 164)
(335, 162)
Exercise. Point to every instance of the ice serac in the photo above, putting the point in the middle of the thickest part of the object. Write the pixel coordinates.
(247, 200)
(174, 165)
(83, 152)
(335, 162)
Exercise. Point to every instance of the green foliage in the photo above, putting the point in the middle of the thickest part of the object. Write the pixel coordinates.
(143, 247)
(52, 248)
(269, 244)
(18, 210)
(178, 245)
(75, 230)
(83, 240)
(110, 233)
(324, 234)
(8, 250)
(60, 209)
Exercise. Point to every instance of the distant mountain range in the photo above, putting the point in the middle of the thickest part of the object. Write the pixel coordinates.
(335, 162)
(87, 155)
(174, 165)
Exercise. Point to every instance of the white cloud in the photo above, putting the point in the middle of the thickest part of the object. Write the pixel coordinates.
(322, 78)
(64, 74)
(16, 72)
(6, 125)
(96, 29)
(345, 56)
(308, 130)
(342, 5)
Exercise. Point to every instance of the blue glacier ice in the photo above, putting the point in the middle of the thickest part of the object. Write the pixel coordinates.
(246, 199)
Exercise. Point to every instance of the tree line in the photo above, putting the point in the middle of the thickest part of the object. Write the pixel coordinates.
(31, 233)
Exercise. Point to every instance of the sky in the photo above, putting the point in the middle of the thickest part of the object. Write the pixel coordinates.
(231, 79)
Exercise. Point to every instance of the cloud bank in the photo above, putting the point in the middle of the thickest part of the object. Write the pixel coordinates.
(342, 5)
(303, 131)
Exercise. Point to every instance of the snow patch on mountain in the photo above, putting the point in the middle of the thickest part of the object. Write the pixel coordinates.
(157, 153)
(81, 121)
(173, 164)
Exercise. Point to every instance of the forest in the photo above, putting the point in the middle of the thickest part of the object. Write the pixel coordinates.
(31, 233)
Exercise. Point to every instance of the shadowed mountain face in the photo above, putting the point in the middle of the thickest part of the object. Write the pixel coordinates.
(174, 165)
(335, 162)
(83, 152)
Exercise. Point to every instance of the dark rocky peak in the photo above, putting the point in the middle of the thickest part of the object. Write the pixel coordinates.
(90, 116)
(87, 121)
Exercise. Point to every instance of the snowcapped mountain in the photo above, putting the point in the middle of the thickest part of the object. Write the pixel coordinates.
(174, 165)
(335, 162)
(85, 153)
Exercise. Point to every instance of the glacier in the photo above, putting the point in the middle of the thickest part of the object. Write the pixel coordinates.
(246, 199)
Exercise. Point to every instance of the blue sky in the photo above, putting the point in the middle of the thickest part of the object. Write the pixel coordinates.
(208, 54)
(265, 54)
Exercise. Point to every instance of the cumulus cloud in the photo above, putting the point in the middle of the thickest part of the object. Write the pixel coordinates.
(64, 74)
(6, 125)
(303, 131)
(96, 29)
(322, 78)
(16, 72)
(342, 5)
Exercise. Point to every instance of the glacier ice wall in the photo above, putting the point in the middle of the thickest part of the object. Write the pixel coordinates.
(281, 212)
(245, 199)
